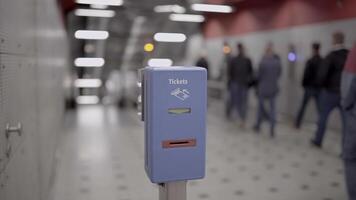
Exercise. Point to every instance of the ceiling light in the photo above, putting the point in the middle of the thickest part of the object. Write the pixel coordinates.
(87, 99)
(89, 62)
(96, 6)
(163, 8)
(87, 83)
(169, 8)
(101, 2)
(186, 18)
(212, 8)
(160, 62)
(91, 35)
(178, 9)
(169, 37)
(94, 13)
(149, 47)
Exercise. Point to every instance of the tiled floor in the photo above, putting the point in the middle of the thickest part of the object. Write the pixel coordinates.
(101, 158)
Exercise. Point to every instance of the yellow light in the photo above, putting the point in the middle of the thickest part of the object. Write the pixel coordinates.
(149, 47)
(226, 50)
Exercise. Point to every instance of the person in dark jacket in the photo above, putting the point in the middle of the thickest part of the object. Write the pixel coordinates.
(329, 79)
(203, 62)
(309, 83)
(268, 76)
(240, 73)
(348, 101)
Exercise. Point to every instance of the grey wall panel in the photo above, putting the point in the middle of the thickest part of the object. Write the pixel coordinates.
(2, 124)
(2, 186)
(19, 180)
(11, 95)
(17, 22)
(51, 64)
(10, 99)
(33, 60)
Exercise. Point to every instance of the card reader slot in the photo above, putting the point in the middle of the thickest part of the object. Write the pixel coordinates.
(178, 111)
(179, 143)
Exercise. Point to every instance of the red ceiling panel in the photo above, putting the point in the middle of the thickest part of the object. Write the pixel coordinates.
(254, 16)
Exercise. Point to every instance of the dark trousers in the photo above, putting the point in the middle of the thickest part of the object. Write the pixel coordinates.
(350, 176)
(309, 93)
(264, 113)
(328, 102)
(238, 100)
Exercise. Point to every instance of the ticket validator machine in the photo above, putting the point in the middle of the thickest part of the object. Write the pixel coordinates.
(174, 111)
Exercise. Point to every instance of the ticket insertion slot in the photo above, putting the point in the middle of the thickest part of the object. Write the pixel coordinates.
(179, 143)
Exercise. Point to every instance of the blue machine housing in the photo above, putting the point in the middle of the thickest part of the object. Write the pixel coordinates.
(174, 109)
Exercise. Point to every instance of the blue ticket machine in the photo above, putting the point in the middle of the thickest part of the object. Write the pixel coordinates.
(174, 112)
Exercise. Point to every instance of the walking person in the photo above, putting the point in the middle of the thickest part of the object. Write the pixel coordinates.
(309, 83)
(329, 79)
(268, 75)
(240, 73)
(203, 62)
(226, 77)
(348, 94)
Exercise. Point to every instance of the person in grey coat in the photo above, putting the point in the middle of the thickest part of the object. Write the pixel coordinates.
(268, 75)
(348, 103)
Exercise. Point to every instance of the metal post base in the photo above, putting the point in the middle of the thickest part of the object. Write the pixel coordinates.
(173, 191)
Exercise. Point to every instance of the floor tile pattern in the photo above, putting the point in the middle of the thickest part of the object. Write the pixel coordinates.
(100, 156)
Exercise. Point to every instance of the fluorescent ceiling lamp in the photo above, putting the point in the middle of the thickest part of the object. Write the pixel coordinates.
(101, 2)
(169, 8)
(95, 6)
(160, 62)
(87, 83)
(87, 99)
(91, 35)
(89, 62)
(169, 37)
(212, 8)
(94, 13)
(186, 18)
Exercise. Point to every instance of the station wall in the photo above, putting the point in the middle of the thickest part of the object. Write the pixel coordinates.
(33, 62)
(300, 37)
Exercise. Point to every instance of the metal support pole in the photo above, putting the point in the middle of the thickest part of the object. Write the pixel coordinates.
(173, 191)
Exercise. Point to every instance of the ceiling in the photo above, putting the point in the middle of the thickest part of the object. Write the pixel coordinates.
(133, 25)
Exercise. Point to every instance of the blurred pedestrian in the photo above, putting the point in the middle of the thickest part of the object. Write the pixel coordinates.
(226, 63)
(203, 62)
(348, 93)
(268, 75)
(309, 83)
(240, 73)
(329, 79)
